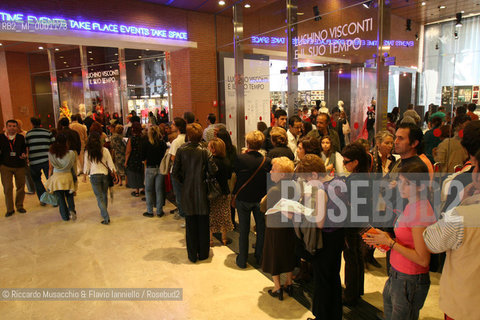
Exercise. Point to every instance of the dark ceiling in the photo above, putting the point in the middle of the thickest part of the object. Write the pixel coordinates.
(408, 9)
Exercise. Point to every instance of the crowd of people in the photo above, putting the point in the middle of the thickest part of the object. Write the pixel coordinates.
(211, 183)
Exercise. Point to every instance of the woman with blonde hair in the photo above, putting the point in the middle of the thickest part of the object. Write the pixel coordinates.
(153, 150)
(280, 144)
(251, 168)
(220, 220)
(279, 247)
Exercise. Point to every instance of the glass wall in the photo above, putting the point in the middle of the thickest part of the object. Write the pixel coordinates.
(452, 63)
(89, 81)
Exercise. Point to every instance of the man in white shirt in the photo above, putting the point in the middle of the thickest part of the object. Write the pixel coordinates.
(179, 125)
(294, 131)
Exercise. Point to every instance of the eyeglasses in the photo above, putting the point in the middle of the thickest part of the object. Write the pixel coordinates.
(345, 162)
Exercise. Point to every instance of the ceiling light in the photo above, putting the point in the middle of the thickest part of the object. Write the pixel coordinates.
(40, 48)
(221, 2)
(89, 51)
(459, 20)
(441, 7)
(367, 4)
(116, 54)
(247, 5)
(1, 44)
(147, 49)
(462, 11)
(91, 58)
(139, 57)
(424, 3)
(300, 13)
(65, 62)
(56, 49)
(61, 57)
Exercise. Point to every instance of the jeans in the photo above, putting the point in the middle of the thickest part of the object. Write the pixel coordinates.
(177, 189)
(154, 189)
(65, 207)
(404, 295)
(244, 208)
(100, 189)
(36, 172)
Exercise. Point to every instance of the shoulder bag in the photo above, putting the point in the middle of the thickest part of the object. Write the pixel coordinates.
(247, 182)
(213, 187)
(112, 177)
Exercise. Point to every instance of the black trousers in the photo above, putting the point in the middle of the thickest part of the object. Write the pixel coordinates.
(198, 237)
(327, 292)
(354, 266)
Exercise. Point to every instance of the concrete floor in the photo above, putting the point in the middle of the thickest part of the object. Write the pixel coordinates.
(39, 250)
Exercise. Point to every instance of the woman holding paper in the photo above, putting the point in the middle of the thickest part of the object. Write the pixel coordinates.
(279, 245)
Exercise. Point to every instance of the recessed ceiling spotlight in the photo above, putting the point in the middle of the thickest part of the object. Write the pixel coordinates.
(56, 49)
(424, 3)
(441, 7)
(247, 5)
(40, 48)
(147, 49)
(1, 44)
(89, 51)
(221, 2)
(462, 11)
(91, 58)
(61, 57)
(116, 54)
(300, 13)
(139, 57)
(65, 62)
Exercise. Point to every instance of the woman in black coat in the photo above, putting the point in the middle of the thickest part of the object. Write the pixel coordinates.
(190, 167)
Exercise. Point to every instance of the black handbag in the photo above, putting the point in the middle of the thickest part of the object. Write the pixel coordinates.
(213, 187)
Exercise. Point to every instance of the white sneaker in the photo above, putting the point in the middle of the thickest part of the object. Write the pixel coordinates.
(73, 215)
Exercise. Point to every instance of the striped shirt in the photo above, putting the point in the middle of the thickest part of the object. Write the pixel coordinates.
(38, 142)
(446, 234)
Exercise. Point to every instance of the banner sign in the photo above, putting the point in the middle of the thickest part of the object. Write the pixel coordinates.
(20, 22)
